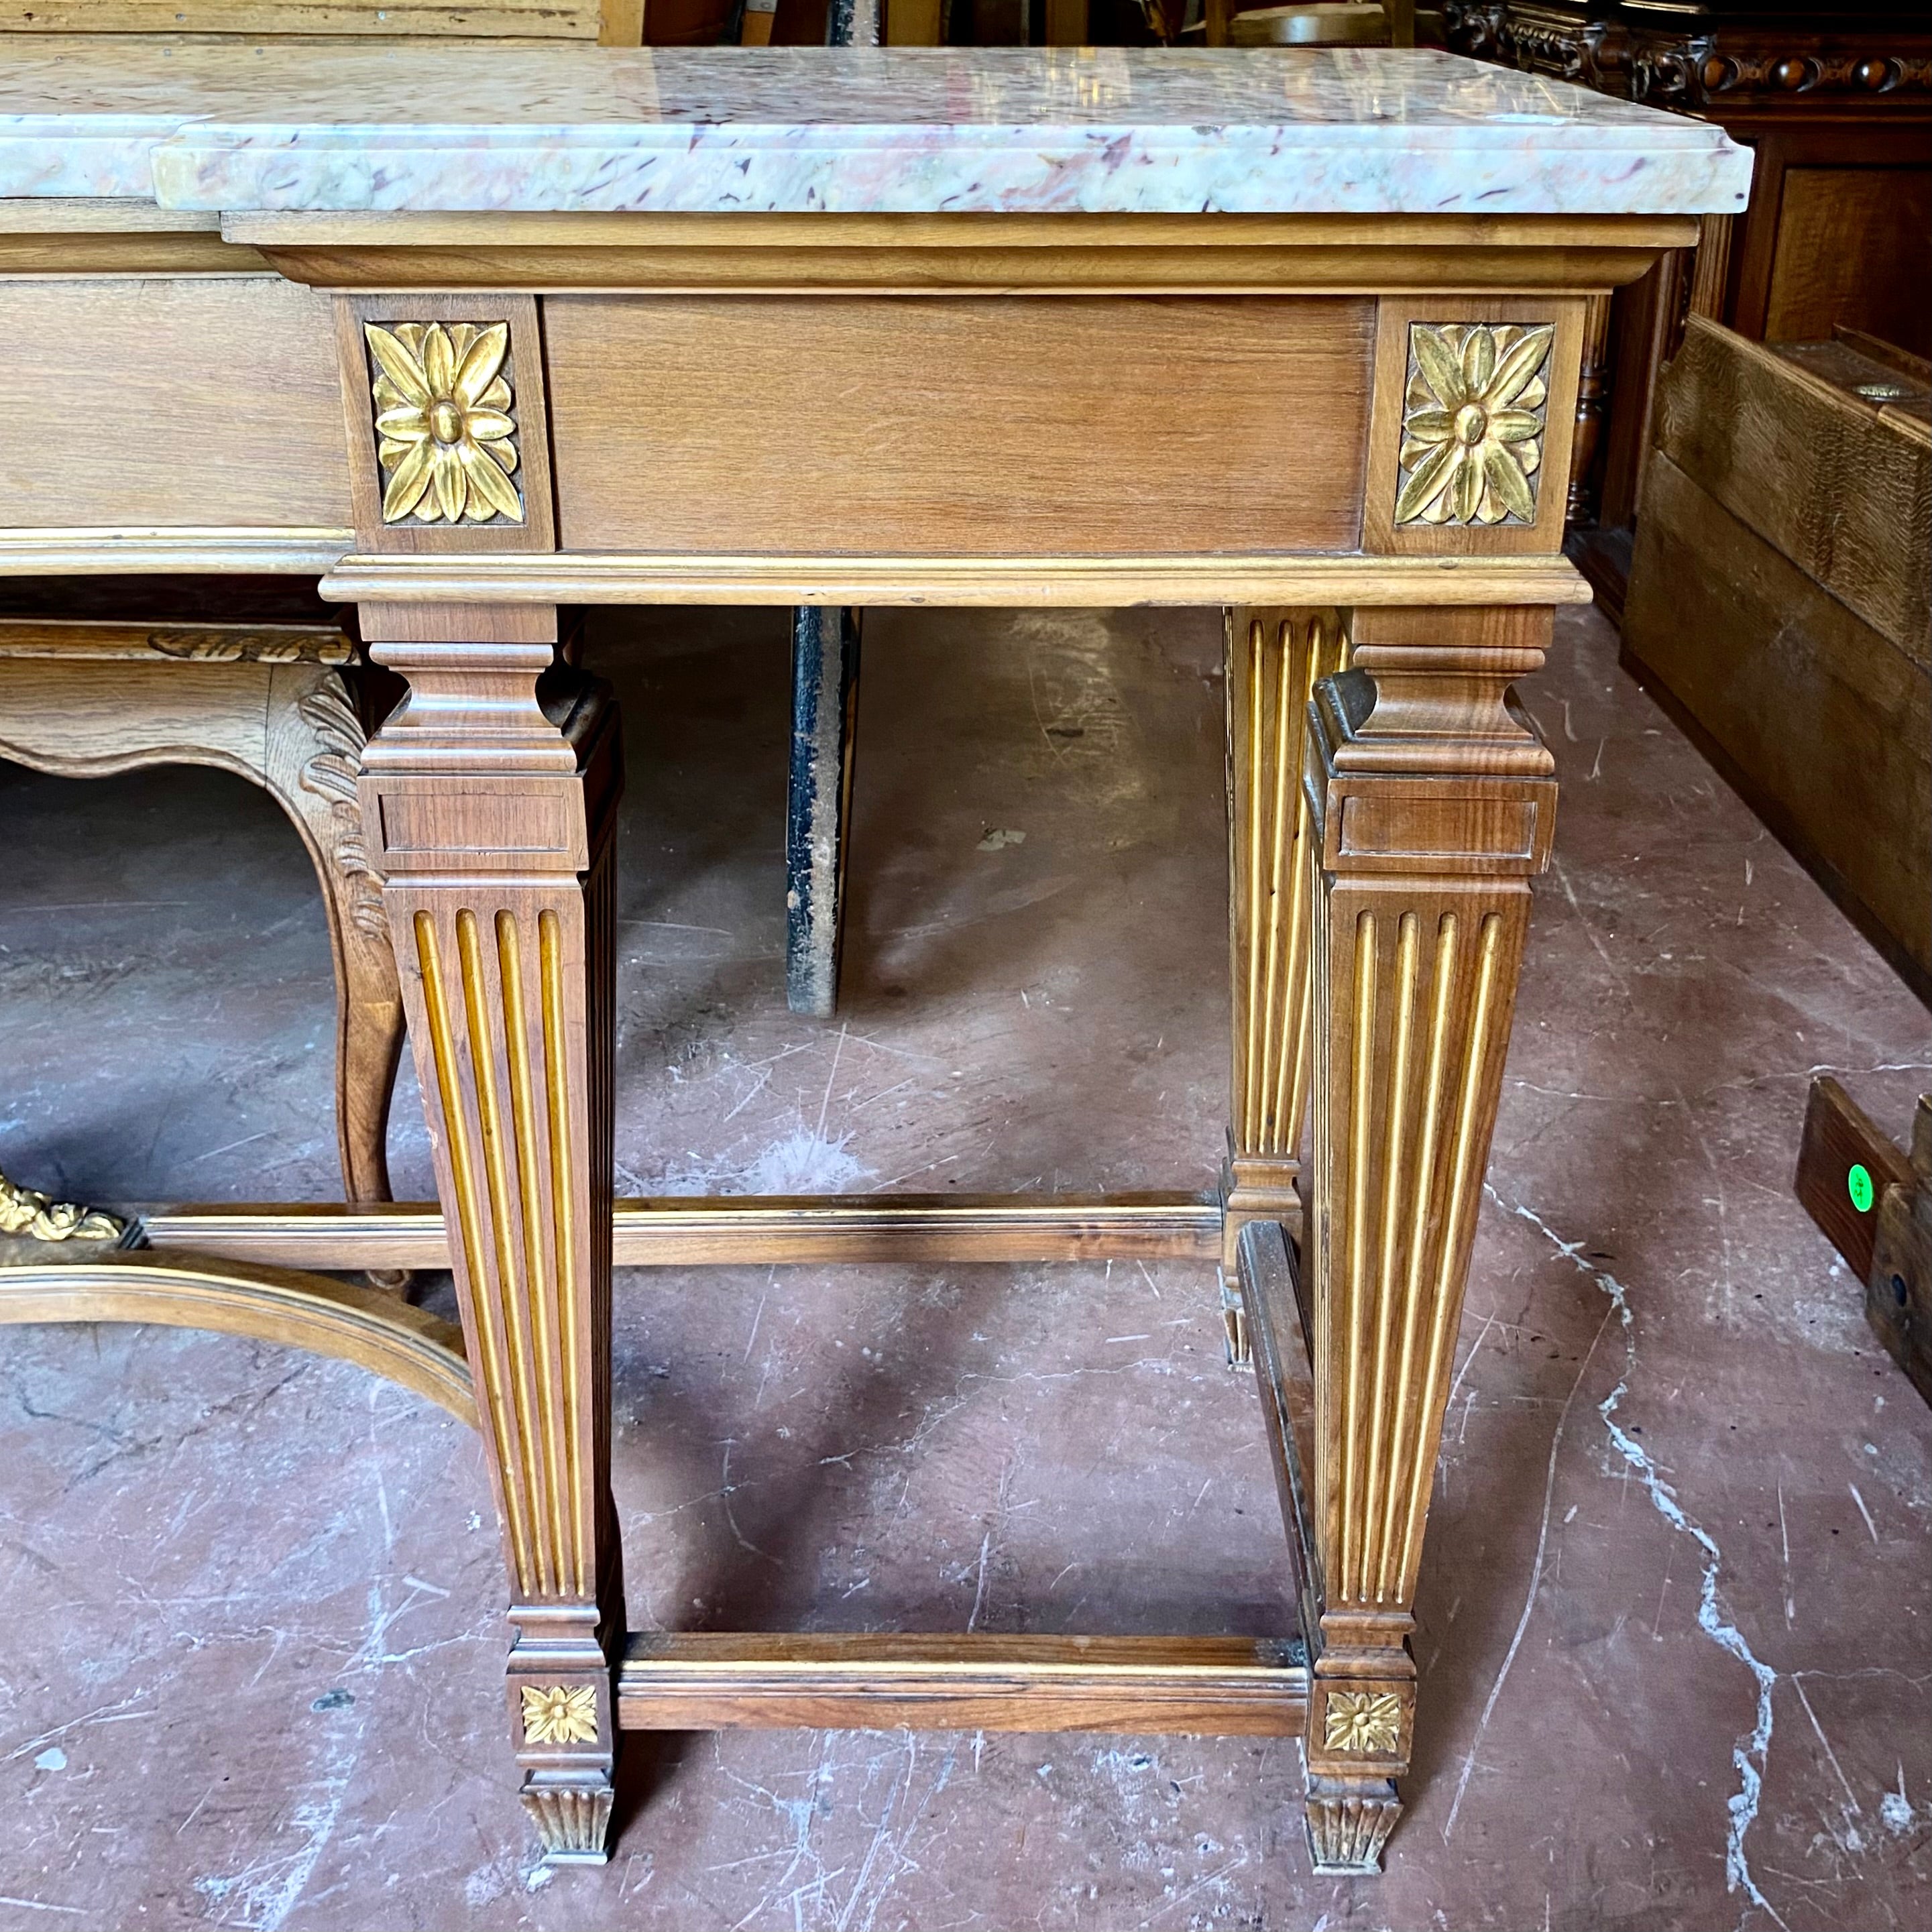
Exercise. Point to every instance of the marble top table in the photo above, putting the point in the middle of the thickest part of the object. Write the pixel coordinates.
(479, 335)
(796, 129)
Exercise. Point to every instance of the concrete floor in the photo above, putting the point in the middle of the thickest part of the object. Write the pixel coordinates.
(1674, 1642)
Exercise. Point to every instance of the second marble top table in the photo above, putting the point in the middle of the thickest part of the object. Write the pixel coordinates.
(478, 335)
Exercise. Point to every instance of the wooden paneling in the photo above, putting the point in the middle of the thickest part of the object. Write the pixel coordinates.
(156, 403)
(1823, 725)
(1852, 248)
(1841, 485)
(1100, 426)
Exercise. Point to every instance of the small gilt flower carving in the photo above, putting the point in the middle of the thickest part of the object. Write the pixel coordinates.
(1362, 1723)
(560, 1714)
(1472, 423)
(444, 435)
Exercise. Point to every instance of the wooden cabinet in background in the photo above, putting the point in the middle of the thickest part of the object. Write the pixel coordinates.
(1778, 605)
(1836, 104)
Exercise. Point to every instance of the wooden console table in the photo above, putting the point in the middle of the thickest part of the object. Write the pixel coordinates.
(1298, 334)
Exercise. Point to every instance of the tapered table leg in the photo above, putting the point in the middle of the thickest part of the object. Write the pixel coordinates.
(1275, 658)
(1431, 806)
(490, 815)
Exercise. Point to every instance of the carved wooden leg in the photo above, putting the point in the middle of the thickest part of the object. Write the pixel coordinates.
(824, 719)
(1274, 658)
(490, 817)
(312, 749)
(1433, 805)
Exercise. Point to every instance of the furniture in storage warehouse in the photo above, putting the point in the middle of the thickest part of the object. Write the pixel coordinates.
(1327, 309)
(1779, 603)
(1835, 102)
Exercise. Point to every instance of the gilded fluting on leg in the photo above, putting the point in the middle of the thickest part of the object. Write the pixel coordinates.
(1423, 1000)
(1283, 658)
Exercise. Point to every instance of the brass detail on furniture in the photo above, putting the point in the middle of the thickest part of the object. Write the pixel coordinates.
(1275, 659)
(1473, 423)
(1362, 1723)
(24, 1211)
(1475, 402)
(560, 1714)
(443, 426)
(449, 444)
(366, 1326)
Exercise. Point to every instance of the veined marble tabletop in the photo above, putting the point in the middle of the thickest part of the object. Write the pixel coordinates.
(237, 126)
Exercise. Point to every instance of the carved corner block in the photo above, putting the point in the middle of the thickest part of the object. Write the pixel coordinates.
(449, 432)
(1472, 426)
(1360, 1725)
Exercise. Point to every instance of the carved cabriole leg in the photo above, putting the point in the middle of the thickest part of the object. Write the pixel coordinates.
(83, 699)
(312, 753)
(491, 816)
(1432, 806)
(1274, 659)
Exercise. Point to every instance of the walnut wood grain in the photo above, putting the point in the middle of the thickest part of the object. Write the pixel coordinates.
(735, 1230)
(1205, 1686)
(933, 254)
(1054, 581)
(1091, 427)
(224, 410)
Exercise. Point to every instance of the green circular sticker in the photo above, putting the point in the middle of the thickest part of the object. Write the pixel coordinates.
(1858, 1184)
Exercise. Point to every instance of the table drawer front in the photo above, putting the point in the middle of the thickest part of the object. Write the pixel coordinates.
(857, 425)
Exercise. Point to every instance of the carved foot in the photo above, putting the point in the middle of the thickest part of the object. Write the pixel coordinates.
(24, 1212)
(572, 1811)
(1349, 1820)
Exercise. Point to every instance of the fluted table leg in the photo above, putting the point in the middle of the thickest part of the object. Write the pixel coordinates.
(490, 815)
(1431, 806)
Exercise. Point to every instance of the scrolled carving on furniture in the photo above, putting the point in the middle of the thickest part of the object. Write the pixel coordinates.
(1474, 416)
(445, 423)
(1365, 1723)
(331, 774)
(24, 1211)
(560, 1714)
(228, 643)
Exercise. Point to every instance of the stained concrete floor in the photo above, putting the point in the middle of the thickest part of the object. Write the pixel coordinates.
(1674, 1643)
